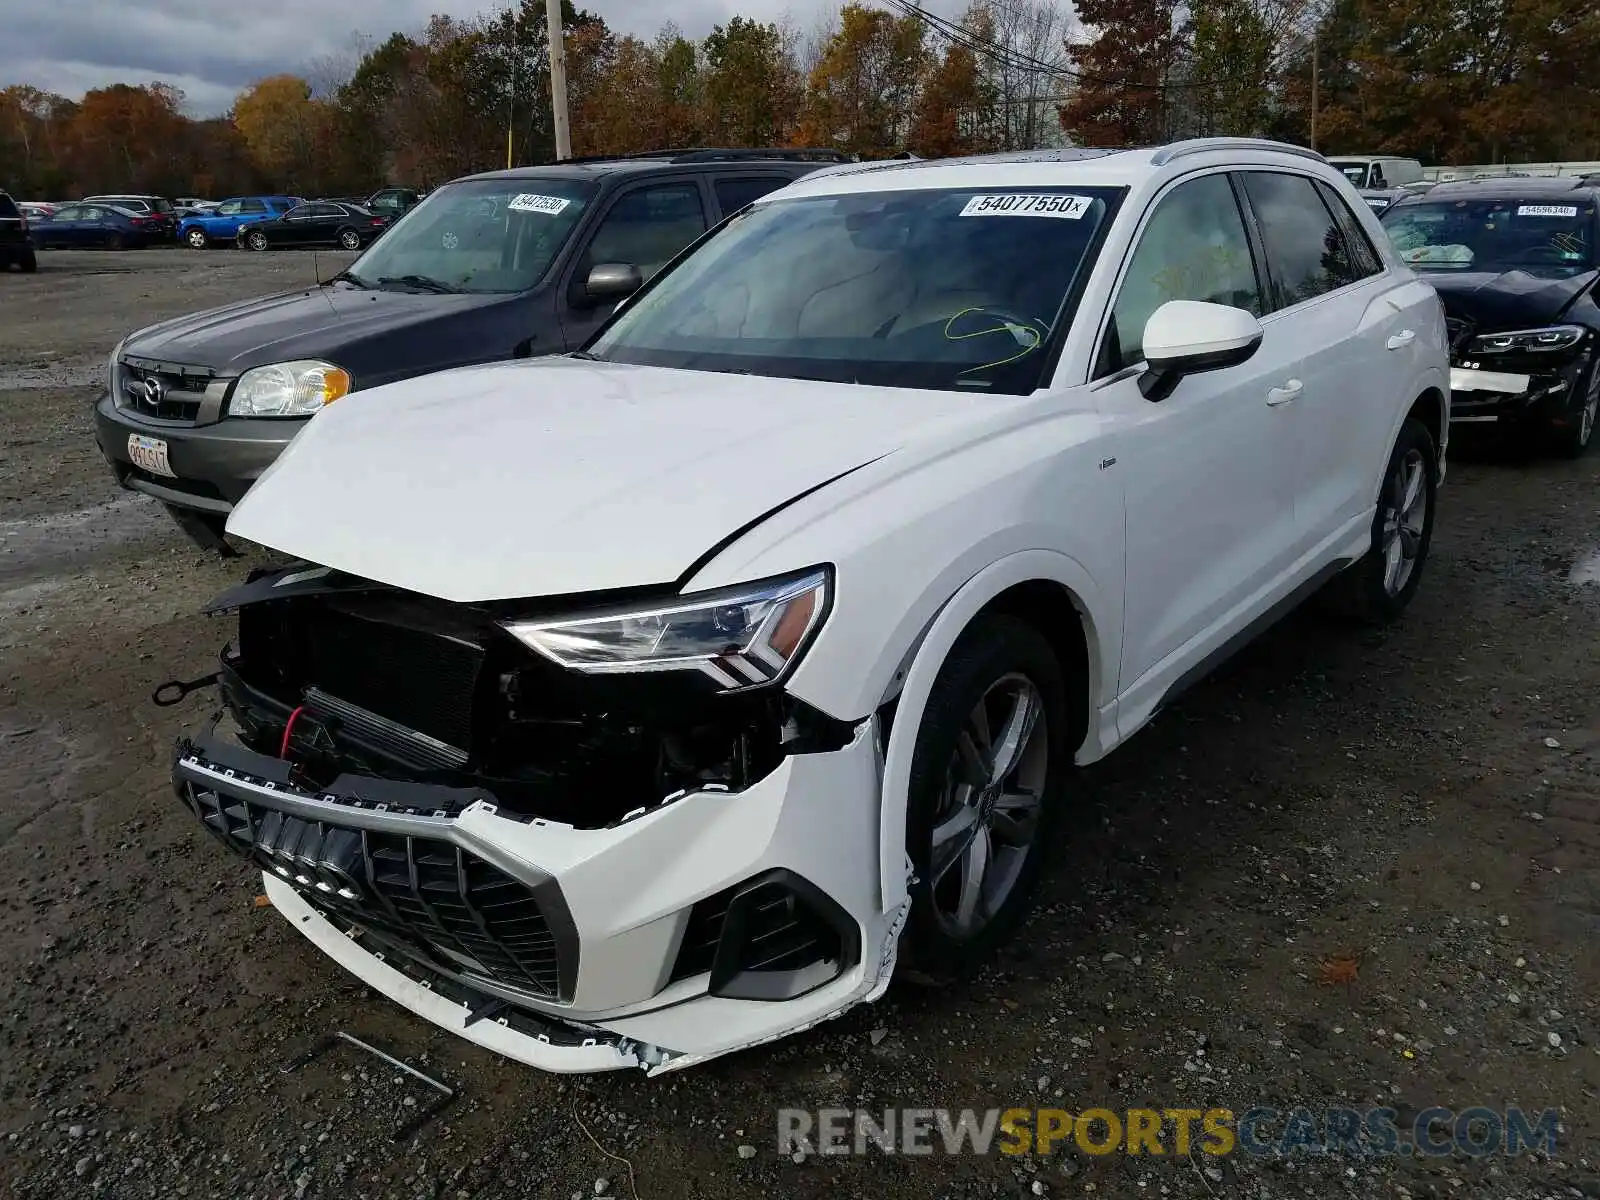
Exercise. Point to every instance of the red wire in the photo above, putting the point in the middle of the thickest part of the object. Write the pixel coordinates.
(283, 750)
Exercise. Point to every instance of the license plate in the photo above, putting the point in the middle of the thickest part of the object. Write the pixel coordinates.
(1465, 379)
(150, 454)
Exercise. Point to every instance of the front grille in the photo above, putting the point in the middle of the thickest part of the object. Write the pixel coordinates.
(168, 394)
(461, 914)
(419, 680)
(779, 931)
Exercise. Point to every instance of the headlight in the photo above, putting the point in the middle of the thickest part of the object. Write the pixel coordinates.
(741, 637)
(290, 389)
(111, 367)
(1556, 337)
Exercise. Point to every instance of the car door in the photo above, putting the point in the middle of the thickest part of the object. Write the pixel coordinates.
(297, 227)
(56, 232)
(644, 226)
(322, 227)
(1330, 293)
(1209, 470)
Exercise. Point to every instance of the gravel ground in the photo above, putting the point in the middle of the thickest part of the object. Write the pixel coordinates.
(1421, 802)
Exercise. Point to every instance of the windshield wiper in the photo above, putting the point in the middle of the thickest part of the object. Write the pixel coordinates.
(352, 280)
(426, 283)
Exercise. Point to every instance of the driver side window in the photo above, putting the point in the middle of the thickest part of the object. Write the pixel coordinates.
(647, 227)
(1193, 248)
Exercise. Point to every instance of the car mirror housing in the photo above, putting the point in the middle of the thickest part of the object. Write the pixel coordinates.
(1186, 337)
(612, 281)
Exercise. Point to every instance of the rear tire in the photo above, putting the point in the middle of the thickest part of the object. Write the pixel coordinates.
(1379, 586)
(988, 775)
(114, 241)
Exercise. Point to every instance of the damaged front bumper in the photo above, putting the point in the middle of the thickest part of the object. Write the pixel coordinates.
(710, 923)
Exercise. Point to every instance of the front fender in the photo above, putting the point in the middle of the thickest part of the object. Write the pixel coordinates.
(930, 654)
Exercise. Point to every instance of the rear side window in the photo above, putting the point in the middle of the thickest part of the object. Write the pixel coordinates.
(1364, 260)
(1306, 252)
(734, 194)
(8, 207)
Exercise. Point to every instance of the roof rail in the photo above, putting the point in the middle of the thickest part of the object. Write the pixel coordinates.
(1183, 149)
(720, 154)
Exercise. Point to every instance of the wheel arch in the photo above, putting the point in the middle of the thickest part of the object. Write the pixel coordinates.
(1433, 410)
(1045, 588)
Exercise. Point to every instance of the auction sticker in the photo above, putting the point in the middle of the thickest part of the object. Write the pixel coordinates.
(1547, 210)
(1028, 204)
(530, 202)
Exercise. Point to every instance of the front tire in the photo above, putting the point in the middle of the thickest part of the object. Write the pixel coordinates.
(1573, 438)
(1379, 587)
(256, 241)
(987, 775)
(349, 239)
(196, 239)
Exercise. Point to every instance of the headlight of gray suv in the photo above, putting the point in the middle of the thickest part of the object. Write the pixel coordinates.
(288, 389)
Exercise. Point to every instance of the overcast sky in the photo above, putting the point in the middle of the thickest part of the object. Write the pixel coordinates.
(212, 49)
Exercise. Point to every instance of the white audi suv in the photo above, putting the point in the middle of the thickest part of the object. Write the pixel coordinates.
(630, 707)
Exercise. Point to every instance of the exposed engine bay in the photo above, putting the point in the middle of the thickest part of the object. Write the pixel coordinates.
(341, 676)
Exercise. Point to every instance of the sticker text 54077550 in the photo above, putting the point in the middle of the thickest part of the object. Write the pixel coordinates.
(1027, 204)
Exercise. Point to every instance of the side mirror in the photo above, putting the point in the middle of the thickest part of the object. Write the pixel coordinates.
(1186, 337)
(612, 281)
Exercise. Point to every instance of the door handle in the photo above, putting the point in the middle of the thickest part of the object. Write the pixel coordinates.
(1402, 339)
(1286, 393)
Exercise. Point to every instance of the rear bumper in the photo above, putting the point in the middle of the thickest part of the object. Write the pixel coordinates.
(621, 910)
(215, 464)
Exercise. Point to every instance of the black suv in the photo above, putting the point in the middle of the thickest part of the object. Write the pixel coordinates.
(506, 264)
(1516, 263)
(14, 244)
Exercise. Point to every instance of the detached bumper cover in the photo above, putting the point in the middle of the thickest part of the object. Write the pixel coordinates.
(1481, 395)
(571, 949)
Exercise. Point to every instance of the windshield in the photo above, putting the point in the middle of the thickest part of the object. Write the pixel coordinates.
(1355, 172)
(948, 289)
(1539, 234)
(483, 235)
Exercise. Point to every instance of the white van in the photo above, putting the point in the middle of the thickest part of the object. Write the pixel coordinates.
(1377, 171)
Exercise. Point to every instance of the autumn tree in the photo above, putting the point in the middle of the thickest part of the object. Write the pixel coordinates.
(748, 80)
(127, 138)
(1125, 70)
(286, 131)
(680, 89)
(863, 90)
(954, 108)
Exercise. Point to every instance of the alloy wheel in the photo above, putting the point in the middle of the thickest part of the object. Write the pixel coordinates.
(988, 816)
(1405, 515)
(258, 241)
(349, 240)
(1587, 416)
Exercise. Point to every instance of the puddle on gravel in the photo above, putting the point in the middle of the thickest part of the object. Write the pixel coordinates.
(1586, 569)
(27, 543)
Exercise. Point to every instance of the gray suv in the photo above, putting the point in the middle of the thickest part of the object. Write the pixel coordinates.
(506, 264)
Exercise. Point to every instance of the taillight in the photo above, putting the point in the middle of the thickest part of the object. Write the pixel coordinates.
(376, 223)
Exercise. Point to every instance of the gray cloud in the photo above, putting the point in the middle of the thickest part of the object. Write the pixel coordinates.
(213, 50)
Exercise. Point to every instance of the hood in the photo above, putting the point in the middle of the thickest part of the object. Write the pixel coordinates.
(559, 476)
(315, 322)
(1510, 299)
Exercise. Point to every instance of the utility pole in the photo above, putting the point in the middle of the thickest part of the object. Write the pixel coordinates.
(1315, 80)
(558, 79)
(511, 109)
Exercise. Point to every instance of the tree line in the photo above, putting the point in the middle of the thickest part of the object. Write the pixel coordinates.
(1441, 80)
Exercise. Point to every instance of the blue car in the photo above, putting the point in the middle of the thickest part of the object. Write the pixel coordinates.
(95, 226)
(201, 229)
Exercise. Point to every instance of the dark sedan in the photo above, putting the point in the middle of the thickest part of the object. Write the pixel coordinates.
(1516, 263)
(96, 226)
(319, 223)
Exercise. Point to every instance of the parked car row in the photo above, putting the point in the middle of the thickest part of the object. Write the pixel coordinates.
(121, 222)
